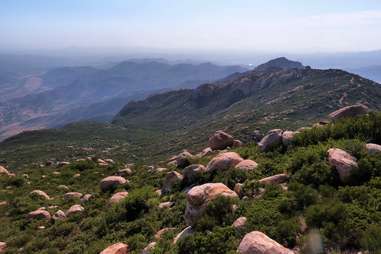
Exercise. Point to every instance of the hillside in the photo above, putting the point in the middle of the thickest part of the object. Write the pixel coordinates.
(164, 124)
(294, 197)
(83, 90)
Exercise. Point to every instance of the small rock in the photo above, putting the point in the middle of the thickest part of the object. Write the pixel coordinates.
(40, 194)
(39, 214)
(184, 159)
(271, 140)
(74, 209)
(124, 172)
(246, 165)
(238, 188)
(220, 140)
(117, 248)
(192, 172)
(180, 236)
(239, 223)
(166, 205)
(86, 198)
(63, 187)
(237, 143)
(112, 182)
(119, 196)
(258, 243)
(288, 137)
(199, 197)
(149, 248)
(63, 163)
(3, 247)
(161, 232)
(4, 171)
(373, 148)
(224, 161)
(170, 180)
(343, 162)
(72, 195)
(275, 179)
(59, 215)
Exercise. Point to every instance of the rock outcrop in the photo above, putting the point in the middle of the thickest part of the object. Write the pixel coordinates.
(271, 140)
(349, 111)
(220, 140)
(224, 161)
(258, 243)
(149, 248)
(199, 197)
(111, 182)
(117, 248)
(343, 162)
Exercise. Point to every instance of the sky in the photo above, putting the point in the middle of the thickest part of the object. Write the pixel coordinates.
(295, 26)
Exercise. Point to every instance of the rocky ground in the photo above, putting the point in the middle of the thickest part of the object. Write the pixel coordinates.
(312, 190)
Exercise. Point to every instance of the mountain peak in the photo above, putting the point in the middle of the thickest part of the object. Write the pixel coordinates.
(281, 62)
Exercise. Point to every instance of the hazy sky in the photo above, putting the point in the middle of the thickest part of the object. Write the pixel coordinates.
(252, 25)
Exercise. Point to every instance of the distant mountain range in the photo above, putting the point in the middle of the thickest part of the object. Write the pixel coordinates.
(371, 72)
(277, 94)
(68, 94)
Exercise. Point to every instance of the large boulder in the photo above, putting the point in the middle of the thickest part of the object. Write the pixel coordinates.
(349, 111)
(39, 194)
(117, 197)
(220, 140)
(224, 161)
(171, 179)
(343, 162)
(258, 243)
(39, 214)
(275, 179)
(246, 165)
(192, 172)
(271, 140)
(111, 182)
(373, 148)
(117, 248)
(74, 209)
(3, 247)
(199, 197)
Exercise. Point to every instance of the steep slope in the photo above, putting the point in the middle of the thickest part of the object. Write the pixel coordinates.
(70, 89)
